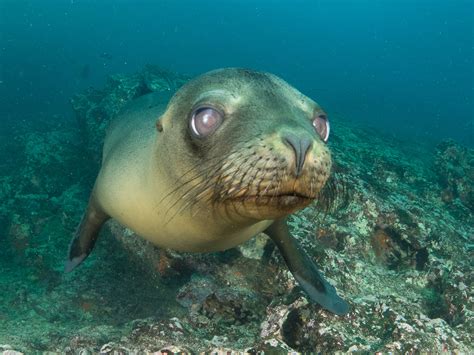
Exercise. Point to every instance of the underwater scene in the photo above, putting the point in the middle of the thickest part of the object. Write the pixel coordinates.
(236, 176)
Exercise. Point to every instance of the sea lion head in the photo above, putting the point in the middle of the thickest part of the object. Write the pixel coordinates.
(245, 144)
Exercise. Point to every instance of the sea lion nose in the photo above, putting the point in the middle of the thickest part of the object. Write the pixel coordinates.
(300, 146)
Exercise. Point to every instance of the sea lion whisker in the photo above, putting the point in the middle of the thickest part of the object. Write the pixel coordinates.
(244, 174)
(182, 185)
(270, 184)
(201, 174)
(278, 187)
(262, 178)
(193, 195)
(311, 187)
(237, 189)
(222, 181)
(248, 189)
(233, 175)
(241, 186)
(332, 196)
(198, 198)
(206, 170)
(188, 194)
(222, 159)
(190, 201)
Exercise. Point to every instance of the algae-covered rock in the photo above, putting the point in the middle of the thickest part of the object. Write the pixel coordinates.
(94, 109)
(454, 165)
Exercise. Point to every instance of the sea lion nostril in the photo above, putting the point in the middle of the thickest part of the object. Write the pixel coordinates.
(300, 147)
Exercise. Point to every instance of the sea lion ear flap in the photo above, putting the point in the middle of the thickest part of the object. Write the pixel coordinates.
(305, 271)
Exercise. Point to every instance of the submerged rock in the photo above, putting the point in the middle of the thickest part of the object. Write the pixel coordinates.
(94, 109)
(454, 165)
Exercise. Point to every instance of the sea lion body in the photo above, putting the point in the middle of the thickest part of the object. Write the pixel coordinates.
(230, 155)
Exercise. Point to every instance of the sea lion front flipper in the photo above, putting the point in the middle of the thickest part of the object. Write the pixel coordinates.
(304, 270)
(86, 235)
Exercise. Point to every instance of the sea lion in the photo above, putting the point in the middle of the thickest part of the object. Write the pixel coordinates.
(233, 154)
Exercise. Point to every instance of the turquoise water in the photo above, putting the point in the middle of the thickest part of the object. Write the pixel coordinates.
(399, 65)
(396, 79)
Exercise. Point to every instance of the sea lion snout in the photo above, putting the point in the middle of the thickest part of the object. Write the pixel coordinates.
(275, 174)
(300, 145)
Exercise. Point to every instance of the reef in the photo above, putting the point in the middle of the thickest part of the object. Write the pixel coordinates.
(398, 246)
(454, 166)
(95, 108)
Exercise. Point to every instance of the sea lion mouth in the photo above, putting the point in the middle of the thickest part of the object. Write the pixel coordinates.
(295, 198)
(278, 197)
(283, 201)
(269, 205)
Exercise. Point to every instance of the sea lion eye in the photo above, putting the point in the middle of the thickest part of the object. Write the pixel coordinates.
(205, 120)
(321, 124)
